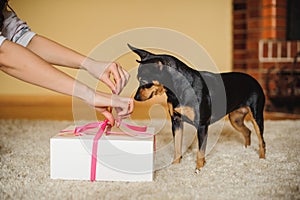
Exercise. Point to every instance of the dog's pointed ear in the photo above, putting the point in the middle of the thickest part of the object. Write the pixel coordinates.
(144, 55)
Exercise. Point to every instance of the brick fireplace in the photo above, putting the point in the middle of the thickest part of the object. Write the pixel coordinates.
(266, 40)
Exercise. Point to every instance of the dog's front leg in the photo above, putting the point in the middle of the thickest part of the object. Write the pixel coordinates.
(177, 130)
(202, 140)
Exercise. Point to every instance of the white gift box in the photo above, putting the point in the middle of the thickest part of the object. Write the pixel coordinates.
(121, 157)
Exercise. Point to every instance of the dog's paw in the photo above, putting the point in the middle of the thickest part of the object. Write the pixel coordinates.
(247, 143)
(262, 151)
(176, 161)
(197, 171)
(262, 154)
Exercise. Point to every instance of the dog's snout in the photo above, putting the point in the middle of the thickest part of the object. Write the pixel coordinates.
(137, 96)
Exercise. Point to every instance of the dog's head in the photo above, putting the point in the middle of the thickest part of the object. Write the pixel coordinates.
(152, 74)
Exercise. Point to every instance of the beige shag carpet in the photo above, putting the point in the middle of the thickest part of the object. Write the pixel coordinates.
(231, 171)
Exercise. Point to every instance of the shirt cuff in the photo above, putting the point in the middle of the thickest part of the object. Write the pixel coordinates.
(2, 39)
(25, 38)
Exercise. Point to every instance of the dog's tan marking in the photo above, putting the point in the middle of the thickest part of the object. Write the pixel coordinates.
(262, 147)
(170, 108)
(145, 93)
(237, 121)
(156, 89)
(155, 82)
(160, 65)
(177, 145)
(159, 89)
(200, 159)
(187, 111)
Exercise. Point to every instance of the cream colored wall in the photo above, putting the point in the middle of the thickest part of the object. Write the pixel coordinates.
(82, 24)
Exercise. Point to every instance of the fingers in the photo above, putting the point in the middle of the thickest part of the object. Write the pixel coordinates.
(123, 79)
(120, 77)
(125, 105)
(112, 74)
(110, 84)
(126, 108)
(117, 77)
(120, 118)
(123, 111)
(108, 115)
(102, 102)
(131, 106)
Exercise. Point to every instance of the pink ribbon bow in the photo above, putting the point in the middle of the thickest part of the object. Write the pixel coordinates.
(79, 130)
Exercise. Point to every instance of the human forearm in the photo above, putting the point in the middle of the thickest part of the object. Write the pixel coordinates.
(58, 54)
(25, 65)
(55, 53)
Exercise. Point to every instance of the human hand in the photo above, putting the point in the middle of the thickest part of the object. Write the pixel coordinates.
(120, 77)
(104, 71)
(102, 102)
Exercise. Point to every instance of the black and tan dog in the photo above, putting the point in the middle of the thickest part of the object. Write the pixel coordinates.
(201, 98)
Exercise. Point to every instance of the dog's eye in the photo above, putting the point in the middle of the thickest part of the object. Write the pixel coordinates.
(143, 82)
(148, 85)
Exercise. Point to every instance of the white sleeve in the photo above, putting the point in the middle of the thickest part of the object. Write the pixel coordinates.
(2, 40)
(25, 38)
(16, 30)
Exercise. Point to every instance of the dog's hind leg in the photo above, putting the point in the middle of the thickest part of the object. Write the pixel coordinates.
(257, 120)
(237, 118)
(202, 140)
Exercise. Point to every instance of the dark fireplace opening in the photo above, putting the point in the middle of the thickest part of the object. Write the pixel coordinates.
(293, 20)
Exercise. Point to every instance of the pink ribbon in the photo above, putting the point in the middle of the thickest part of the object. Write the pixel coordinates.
(78, 131)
